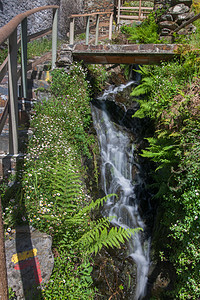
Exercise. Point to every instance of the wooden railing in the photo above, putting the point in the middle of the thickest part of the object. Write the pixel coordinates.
(9, 31)
(88, 18)
(136, 12)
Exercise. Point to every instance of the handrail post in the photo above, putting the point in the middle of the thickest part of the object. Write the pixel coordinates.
(118, 14)
(12, 85)
(54, 37)
(24, 56)
(97, 29)
(110, 26)
(71, 31)
(87, 30)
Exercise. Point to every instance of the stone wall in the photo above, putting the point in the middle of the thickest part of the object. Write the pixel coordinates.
(96, 5)
(68, 7)
(178, 11)
(41, 20)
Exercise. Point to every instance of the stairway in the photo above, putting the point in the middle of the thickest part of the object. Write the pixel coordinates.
(38, 84)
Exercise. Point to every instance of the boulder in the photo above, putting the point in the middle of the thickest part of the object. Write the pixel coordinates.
(29, 261)
(166, 17)
(179, 9)
(165, 31)
(168, 24)
(184, 17)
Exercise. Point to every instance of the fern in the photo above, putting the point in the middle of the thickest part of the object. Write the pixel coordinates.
(144, 88)
(100, 236)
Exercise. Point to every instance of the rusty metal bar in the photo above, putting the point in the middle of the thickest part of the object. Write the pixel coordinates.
(91, 14)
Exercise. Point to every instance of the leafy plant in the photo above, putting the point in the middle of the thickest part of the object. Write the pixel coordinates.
(169, 94)
(146, 33)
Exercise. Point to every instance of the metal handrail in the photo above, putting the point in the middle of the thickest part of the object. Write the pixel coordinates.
(97, 14)
(9, 31)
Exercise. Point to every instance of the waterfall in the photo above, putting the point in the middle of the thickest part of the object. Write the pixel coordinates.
(117, 156)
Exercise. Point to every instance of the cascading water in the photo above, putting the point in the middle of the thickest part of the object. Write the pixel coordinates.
(117, 154)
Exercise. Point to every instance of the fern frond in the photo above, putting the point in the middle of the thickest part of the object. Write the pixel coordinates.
(100, 236)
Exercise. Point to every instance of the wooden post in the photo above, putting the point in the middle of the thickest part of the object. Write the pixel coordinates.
(71, 31)
(3, 271)
(12, 86)
(110, 26)
(118, 12)
(54, 37)
(24, 56)
(140, 5)
(87, 30)
(97, 29)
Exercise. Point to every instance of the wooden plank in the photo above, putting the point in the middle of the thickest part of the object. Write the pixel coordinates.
(135, 8)
(131, 17)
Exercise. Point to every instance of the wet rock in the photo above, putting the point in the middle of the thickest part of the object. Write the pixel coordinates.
(184, 17)
(165, 32)
(169, 25)
(166, 17)
(114, 275)
(29, 262)
(179, 9)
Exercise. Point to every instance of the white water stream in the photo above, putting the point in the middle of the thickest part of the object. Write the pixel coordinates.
(117, 155)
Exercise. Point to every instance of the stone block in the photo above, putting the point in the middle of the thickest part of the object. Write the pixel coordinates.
(179, 9)
(168, 24)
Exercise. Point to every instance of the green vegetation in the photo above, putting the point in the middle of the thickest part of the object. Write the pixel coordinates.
(35, 48)
(51, 192)
(170, 96)
(145, 33)
(98, 75)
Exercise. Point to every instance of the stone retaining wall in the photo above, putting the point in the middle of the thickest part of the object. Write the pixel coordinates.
(41, 20)
(177, 12)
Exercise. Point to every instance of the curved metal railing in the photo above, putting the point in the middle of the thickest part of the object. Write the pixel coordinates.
(9, 31)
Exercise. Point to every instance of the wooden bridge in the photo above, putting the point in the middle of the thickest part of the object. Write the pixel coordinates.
(143, 54)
